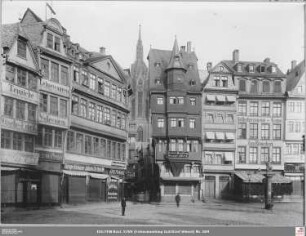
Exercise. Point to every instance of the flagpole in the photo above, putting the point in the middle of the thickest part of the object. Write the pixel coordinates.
(46, 11)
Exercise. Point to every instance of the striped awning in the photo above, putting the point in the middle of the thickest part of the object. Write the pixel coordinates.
(279, 179)
(230, 136)
(250, 178)
(220, 98)
(231, 98)
(98, 176)
(210, 135)
(75, 173)
(210, 98)
(219, 136)
(228, 156)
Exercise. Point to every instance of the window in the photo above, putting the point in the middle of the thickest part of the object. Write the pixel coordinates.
(253, 155)
(99, 114)
(291, 106)
(96, 146)
(158, 81)
(266, 87)
(299, 107)
(261, 69)
(22, 48)
(84, 79)
(100, 86)
(253, 108)
(20, 110)
(106, 115)
(106, 88)
(54, 72)
(180, 122)
(64, 75)
(253, 86)
(119, 93)
(124, 96)
(79, 143)
(180, 145)
(180, 100)
(8, 106)
(17, 141)
(140, 134)
(32, 82)
(113, 150)
(277, 109)
(76, 75)
(239, 68)
(160, 101)
(103, 148)
(31, 112)
(242, 130)
(242, 108)
(265, 131)
(83, 108)
(63, 108)
(264, 154)
(47, 138)
(277, 131)
(253, 131)
(217, 81)
(192, 123)
(21, 77)
(194, 145)
(251, 68)
(43, 102)
(140, 101)
(276, 155)
(224, 81)
(45, 68)
(291, 126)
(91, 111)
(230, 118)
(6, 139)
(92, 81)
(173, 122)
(123, 123)
(57, 44)
(297, 127)
(192, 101)
(108, 149)
(277, 87)
(273, 69)
(219, 118)
(70, 141)
(172, 145)
(188, 146)
(50, 41)
(75, 105)
(241, 154)
(113, 118)
(88, 145)
(118, 120)
(114, 88)
(242, 85)
(265, 108)
(160, 122)
(54, 106)
(58, 139)
(28, 143)
(209, 118)
(10, 73)
(172, 100)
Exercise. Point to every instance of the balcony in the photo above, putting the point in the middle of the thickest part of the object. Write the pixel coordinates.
(215, 107)
(98, 127)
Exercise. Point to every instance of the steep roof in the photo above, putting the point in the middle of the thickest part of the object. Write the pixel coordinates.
(30, 17)
(295, 75)
(176, 58)
(34, 32)
(9, 33)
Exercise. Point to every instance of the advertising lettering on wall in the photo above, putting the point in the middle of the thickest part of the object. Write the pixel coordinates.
(116, 172)
(18, 125)
(112, 193)
(259, 119)
(55, 88)
(88, 168)
(52, 120)
(17, 157)
(177, 154)
(50, 156)
(20, 93)
(259, 143)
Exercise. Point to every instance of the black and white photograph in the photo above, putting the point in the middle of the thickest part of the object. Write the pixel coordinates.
(152, 118)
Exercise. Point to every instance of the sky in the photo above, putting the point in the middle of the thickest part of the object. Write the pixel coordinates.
(258, 30)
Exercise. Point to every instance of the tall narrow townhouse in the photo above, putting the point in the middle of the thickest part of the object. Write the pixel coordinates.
(175, 102)
(54, 101)
(295, 127)
(219, 130)
(96, 156)
(260, 133)
(20, 177)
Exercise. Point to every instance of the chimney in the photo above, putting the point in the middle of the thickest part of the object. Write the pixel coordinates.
(293, 64)
(189, 47)
(102, 50)
(208, 66)
(183, 48)
(267, 60)
(236, 55)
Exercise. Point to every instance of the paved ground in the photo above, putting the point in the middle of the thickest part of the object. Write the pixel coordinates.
(209, 213)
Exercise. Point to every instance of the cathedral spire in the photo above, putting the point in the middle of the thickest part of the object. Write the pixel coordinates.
(139, 50)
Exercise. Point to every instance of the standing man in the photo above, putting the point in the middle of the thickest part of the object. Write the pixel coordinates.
(177, 199)
(123, 205)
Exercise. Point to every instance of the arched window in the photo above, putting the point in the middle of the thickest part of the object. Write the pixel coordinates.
(242, 86)
(140, 134)
(277, 87)
(266, 87)
(253, 86)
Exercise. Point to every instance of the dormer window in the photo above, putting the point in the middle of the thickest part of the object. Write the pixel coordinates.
(50, 40)
(261, 69)
(21, 48)
(221, 68)
(217, 81)
(273, 69)
(239, 68)
(224, 81)
(53, 42)
(157, 81)
(251, 68)
(192, 83)
(157, 64)
(57, 44)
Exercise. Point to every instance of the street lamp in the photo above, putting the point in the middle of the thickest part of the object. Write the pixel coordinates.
(268, 186)
(249, 180)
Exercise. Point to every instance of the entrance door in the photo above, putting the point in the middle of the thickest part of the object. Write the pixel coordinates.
(223, 186)
(77, 189)
(210, 182)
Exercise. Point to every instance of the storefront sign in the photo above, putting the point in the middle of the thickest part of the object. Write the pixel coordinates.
(259, 143)
(259, 119)
(50, 86)
(19, 92)
(294, 167)
(118, 163)
(84, 168)
(52, 120)
(116, 172)
(112, 193)
(177, 154)
(18, 157)
(50, 156)
(18, 125)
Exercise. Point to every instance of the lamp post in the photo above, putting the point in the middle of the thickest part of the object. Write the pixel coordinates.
(249, 180)
(268, 186)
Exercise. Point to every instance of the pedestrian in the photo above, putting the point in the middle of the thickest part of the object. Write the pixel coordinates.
(123, 205)
(177, 199)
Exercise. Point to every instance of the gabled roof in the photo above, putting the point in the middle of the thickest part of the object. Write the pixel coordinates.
(176, 58)
(295, 75)
(34, 32)
(9, 33)
(30, 14)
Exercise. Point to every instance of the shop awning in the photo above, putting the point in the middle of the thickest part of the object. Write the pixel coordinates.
(115, 177)
(279, 179)
(228, 156)
(250, 178)
(98, 176)
(210, 98)
(219, 136)
(192, 179)
(230, 136)
(75, 173)
(210, 135)
(231, 98)
(4, 168)
(220, 98)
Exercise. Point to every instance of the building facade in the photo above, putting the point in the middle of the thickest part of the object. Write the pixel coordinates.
(175, 103)
(295, 127)
(219, 131)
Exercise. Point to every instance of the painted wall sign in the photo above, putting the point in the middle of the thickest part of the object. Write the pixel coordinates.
(19, 92)
(52, 120)
(88, 168)
(52, 87)
(118, 163)
(259, 119)
(259, 143)
(112, 193)
(50, 156)
(116, 172)
(18, 157)
(18, 125)
(177, 154)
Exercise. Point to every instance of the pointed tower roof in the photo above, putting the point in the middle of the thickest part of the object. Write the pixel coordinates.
(139, 49)
(176, 61)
